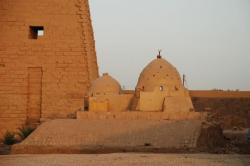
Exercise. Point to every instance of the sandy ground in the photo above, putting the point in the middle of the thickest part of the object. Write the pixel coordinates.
(126, 159)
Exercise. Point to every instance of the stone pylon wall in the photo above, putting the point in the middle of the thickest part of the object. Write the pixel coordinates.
(52, 72)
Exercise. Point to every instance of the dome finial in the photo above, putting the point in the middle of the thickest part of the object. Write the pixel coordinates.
(159, 54)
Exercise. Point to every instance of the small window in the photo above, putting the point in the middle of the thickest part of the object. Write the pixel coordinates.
(36, 32)
(161, 88)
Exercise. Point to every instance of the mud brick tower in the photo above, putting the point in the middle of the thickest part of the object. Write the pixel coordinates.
(47, 59)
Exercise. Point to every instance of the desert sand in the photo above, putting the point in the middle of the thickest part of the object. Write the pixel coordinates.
(125, 159)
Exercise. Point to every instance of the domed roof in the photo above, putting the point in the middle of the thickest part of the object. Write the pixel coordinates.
(159, 74)
(104, 85)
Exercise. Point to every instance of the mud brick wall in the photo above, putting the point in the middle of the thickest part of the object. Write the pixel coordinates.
(50, 73)
(229, 112)
(229, 108)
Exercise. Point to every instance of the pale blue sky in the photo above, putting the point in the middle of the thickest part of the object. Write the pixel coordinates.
(208, 40)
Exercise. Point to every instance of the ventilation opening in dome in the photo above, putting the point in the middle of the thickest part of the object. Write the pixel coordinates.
(161, 88)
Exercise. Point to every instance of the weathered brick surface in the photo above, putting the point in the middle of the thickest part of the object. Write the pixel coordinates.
(139, 115)
(66, 55)
(83, 135)
(229, 112)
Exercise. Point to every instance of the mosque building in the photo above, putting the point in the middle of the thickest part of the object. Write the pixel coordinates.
(159, 89)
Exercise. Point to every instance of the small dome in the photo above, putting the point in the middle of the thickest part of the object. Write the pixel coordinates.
(159, 74)
(104, 85)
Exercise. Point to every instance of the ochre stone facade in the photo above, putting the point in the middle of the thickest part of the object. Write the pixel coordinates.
(44, 75)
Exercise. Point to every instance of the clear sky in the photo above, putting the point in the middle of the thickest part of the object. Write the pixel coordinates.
(207, 40)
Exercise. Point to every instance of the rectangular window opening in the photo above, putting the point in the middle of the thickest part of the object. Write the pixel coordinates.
(36, 32)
